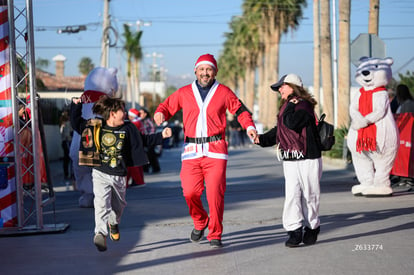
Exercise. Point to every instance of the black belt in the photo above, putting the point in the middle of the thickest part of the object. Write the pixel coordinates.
(200, 140)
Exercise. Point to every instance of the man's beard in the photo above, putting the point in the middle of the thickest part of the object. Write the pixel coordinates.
(205, 84)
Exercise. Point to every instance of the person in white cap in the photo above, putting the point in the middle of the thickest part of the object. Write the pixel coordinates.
(297, 140)
(204, 159)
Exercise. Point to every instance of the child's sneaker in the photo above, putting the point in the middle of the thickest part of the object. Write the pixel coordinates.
(114, 232)
(100, 242)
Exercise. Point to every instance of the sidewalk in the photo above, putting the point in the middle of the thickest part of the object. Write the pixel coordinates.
(358, 235)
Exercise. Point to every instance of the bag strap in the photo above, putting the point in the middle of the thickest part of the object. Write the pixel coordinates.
(322, 117)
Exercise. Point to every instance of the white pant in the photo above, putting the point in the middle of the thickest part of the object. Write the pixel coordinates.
(302, 192)
(109, 200)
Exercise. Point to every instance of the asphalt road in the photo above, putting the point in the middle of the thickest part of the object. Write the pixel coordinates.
(358, 235)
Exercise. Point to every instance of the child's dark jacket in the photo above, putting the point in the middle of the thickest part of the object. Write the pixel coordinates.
(120, 147)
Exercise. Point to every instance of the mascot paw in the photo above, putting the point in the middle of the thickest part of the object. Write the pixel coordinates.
(356, 125)
(358, 189)
(373, 191)
(86, 200)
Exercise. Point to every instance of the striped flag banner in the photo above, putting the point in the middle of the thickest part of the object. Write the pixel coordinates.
(8, 208)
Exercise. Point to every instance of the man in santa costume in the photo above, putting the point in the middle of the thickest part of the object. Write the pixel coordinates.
(204, 158)
(100, 81)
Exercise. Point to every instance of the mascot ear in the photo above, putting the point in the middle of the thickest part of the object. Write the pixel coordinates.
(363, 59)
(389, 60)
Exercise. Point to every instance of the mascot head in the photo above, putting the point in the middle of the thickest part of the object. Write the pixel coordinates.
(374, 72)
(102, 80)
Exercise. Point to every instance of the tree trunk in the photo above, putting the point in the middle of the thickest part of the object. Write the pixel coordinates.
(241, 86)
(374, 6)
(326, 61)
(261, 87)
(129, 84)
(273, 101)
(316, 57)
(250, 91)
(344, 61)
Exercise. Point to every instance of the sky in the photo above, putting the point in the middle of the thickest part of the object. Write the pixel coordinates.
(182, 30)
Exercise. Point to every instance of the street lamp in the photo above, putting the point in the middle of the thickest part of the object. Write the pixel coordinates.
(72, 29)
(140, 23)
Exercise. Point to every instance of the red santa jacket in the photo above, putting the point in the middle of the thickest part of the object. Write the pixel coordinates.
(205, 118)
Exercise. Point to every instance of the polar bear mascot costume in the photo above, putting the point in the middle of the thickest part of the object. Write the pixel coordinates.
(373, 135)
(100, 81)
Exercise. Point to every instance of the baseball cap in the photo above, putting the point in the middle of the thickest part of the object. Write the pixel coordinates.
(287, 78)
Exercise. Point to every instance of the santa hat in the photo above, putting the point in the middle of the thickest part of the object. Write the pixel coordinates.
(206, 59)
(133, 112)
(102, 80)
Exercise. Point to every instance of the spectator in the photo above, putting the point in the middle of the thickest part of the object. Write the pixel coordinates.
(405, 100)
(393, 100)
(135, 177)
(149, 128)
(66, 138)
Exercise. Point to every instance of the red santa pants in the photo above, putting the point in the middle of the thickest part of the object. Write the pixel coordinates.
(194, 173)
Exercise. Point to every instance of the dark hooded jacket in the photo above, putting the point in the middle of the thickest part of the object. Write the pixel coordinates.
(295, 133)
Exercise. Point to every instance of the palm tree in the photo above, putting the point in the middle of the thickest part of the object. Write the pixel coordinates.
(133, 49)
(128, 47)
(344, 78)
(276, 17)
(326, 61)
(230, 69)
(246, 39)
(85, 65)
(137, 56)
(42, 63)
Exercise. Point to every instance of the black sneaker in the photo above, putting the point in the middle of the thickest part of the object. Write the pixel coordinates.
(100, 242)
(311, 235)
(216, 243)
(114, 232)
(197, 235)
(295, 238)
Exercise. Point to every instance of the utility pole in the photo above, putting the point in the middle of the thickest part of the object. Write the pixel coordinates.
(374, 6)
(105, 35)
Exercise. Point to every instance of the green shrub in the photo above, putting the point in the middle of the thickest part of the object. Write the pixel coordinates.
(340, 149)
